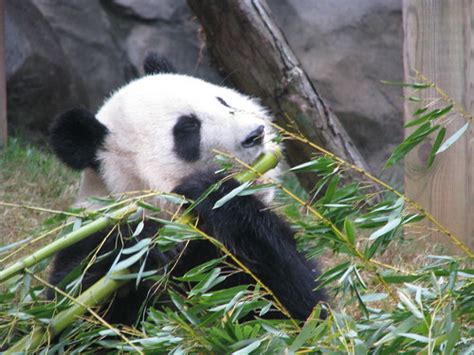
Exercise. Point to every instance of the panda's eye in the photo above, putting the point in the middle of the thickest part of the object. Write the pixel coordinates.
(187, 123)
(222, 101)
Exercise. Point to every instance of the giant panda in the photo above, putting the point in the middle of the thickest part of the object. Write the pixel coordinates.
(160, 132)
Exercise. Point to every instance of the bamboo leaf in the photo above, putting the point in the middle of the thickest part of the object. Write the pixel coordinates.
(420, 111)
(10, 246)
(144, 243)
(179, 303)
(349, 229)
(412, 218)
(453, 337)
(432, 115)
(451, 140)
(401, 328)
(141, 273)
(392, 278)
(233, 301)
(391, 225)
(411, 142)
(251, 190)
(221, 202)
(249, 348)
(416, 337)
(129, 261)
(212, 279)
(331, 189)
(317, 165)
(441, 112)
(134, 275)
(373, 297)
(305, 333)
(410, 305)
(409, 85)
(198, 273)
(361, 302)
(138, 229)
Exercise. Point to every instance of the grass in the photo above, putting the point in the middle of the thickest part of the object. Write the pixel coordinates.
(30, 175)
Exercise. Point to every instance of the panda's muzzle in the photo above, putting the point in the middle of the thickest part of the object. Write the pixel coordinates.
(254, 138)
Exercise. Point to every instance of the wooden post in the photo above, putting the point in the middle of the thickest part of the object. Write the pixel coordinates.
(3, 91)
(439, 43)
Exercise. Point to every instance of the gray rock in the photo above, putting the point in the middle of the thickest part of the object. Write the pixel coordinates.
(177, 43)
(347, 47)
(40, 79)
(146, 9)
(92, 44)
(175, 36)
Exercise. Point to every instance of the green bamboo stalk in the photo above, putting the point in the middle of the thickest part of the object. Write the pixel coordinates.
(91, 297)
(264, 163)
(107, 285)
(65, 241)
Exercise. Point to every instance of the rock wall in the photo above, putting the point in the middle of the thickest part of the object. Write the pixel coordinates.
(40, 79)
(347, 47)
(63, 53)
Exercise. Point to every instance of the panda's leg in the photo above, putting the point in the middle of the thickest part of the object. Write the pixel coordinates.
(70, 258)
(129, 299)
(260, 239)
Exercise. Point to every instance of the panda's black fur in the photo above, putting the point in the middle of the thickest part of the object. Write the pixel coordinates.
(187, 138)
(128, 301)
(258, 237)
(156, 64)
(67, 132)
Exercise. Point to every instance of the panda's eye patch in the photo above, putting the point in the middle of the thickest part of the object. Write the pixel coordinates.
(187, 123)
(221, 100)
(187, 138)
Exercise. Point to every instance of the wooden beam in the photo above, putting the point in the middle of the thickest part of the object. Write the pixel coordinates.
(439, 42)
(3, 89)
(251, 51)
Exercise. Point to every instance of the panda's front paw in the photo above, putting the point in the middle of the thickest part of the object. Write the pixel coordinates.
(196, 185)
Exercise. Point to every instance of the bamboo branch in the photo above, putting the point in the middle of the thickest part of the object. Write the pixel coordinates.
(65, 241)
(91, 297)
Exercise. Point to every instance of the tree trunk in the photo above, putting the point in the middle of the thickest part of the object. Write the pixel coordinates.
(249, 48)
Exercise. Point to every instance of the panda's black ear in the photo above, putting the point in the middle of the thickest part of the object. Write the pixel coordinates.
(156, 64)
(75, 137)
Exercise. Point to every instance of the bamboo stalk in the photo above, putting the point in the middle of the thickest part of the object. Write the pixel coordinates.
(107, 285)
(65, 241)
(264, 163)
(91, 297)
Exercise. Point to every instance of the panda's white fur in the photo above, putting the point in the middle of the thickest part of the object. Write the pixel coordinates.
(138, 152)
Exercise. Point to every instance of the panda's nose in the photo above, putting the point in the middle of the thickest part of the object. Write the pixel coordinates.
(254, 138)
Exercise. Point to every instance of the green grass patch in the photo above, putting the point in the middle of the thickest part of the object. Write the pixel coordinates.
(30, 175)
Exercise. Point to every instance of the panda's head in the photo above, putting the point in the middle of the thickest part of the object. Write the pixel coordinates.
(158, 129)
